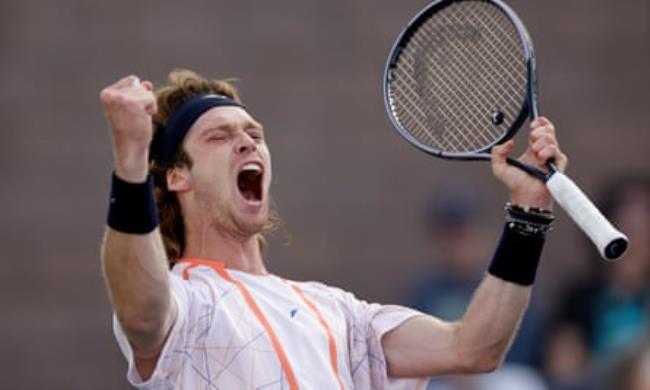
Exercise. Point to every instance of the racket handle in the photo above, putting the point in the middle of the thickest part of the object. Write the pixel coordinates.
(610, 242)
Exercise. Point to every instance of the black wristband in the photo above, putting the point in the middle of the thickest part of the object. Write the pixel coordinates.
(132, 207)
(517, 256)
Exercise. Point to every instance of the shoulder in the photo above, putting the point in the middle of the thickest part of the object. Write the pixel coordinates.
(337, 298)
(322, 289)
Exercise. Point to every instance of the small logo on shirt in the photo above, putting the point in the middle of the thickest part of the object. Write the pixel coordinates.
(293, 312)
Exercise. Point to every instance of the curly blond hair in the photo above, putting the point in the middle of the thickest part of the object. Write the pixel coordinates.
(183, 84)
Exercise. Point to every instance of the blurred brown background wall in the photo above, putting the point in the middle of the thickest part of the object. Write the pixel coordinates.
(348, 188)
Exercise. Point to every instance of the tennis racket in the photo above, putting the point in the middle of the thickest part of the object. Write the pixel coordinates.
(460, 79)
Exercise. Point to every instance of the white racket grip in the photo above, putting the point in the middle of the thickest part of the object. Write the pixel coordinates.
(610, 242)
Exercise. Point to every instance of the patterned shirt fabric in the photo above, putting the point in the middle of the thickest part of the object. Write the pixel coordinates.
(236, 330)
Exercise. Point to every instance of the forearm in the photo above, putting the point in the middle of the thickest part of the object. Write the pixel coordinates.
(478, 342)
(133, 256)
(494, 314)
(427, 346)
(136, 272)
(484, 334)
(134, 259)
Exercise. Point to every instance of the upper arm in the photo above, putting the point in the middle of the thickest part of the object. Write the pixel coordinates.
(136, 273)
(160, 361)
(146, 359)
(423, 346)
(477, 343)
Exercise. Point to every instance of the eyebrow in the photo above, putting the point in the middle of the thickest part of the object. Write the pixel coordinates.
(229, 127)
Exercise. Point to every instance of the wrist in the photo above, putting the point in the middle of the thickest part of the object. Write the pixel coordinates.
(518, 253)
(529, 220)
(132, 164)
(524, 199)
(132, 206)
(517, 256)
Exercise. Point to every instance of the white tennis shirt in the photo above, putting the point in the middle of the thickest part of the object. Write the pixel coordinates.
(236, 330)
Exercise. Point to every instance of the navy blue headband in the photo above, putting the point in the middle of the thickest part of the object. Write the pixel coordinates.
(169, 137)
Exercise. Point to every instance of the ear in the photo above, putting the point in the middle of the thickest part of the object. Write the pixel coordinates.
(179, 180)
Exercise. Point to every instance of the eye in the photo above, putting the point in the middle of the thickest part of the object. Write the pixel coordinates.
(217, 136)
(256, 134)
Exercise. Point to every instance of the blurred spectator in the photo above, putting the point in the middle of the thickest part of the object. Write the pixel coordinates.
(508, 377)
(609, 311)
(461, 253)
(632, 371)
(445, 286)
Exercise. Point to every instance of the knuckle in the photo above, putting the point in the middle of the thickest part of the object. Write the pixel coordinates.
(112, 97)
(130, 78)
(544, 140)
(537, 132)
(106, 95)
(119, 99)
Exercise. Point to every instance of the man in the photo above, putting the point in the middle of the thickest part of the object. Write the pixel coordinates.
(219, 319)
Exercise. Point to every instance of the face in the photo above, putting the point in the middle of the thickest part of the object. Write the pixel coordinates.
(632, 216)
(228, 184)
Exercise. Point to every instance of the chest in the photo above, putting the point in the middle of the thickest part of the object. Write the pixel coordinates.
(260, 327)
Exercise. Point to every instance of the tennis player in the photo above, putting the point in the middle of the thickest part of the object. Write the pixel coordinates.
(195, 306)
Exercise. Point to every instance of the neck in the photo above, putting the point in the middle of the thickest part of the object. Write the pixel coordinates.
(238, 254)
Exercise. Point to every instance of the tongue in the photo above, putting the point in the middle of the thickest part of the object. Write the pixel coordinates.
(249, 194)
(249, 185)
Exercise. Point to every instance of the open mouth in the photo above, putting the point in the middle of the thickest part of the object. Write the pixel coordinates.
(249, 182)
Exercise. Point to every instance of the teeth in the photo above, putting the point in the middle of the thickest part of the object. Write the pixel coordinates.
(255, 167)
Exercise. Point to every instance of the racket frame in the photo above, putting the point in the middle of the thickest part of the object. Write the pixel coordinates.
(529, 105)
(610, 242)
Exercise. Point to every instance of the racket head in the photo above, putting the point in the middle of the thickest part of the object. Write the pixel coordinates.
(461, 78)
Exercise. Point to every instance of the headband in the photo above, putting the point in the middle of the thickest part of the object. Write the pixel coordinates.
(169, 137)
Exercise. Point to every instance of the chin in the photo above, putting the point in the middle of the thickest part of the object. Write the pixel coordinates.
(251, 225)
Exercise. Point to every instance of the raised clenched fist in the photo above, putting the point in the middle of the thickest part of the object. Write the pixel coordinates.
(129, 105)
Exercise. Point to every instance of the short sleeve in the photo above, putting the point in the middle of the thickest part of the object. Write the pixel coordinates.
(168, 366)
(367, 324)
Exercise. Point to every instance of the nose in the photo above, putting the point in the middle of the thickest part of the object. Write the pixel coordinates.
(245, 144)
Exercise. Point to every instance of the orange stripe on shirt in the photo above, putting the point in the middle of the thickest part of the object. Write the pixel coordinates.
(220, 269)
(186, 270)
(330, 336)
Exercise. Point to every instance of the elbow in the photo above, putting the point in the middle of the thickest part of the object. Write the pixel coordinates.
(140, 328)
(487, 365)
(483, 362)
(144, 327)
(137, 323)
(479, 355)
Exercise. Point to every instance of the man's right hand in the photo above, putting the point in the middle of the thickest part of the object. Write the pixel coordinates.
(129, 106)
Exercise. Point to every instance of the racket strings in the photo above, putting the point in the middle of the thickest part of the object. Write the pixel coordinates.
(508, 44)
(474, 70)
(456, 89)
(428, 82)
(460, 67)
(427, 125)
(451, 138)
(503, 92)
(415, 87)
(481, 85)
(442, 142)
(413, 112)
(504, 88)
